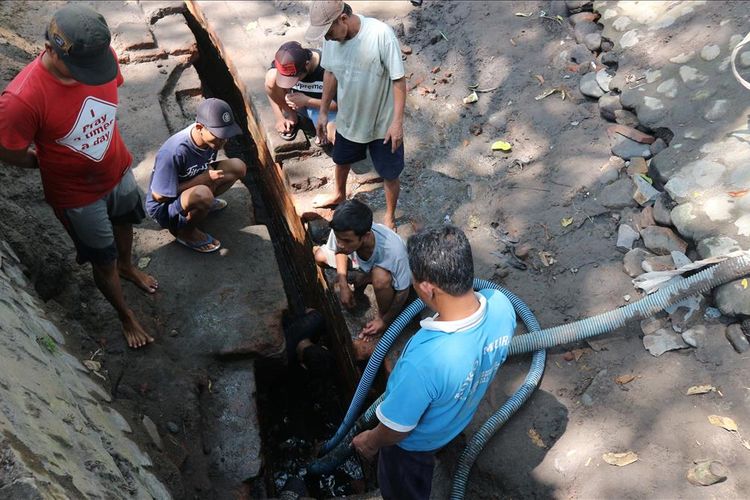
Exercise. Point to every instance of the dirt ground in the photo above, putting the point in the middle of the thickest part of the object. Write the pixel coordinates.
(553, 447)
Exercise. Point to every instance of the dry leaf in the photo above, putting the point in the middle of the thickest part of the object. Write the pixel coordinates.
(700, 389)
(540, 78)
(547, 258)
(94, 366)
(723, 422)
(501, 146)
(744, 283)
(624, 379)
(620, 459)
(566, 221)
(536, 438)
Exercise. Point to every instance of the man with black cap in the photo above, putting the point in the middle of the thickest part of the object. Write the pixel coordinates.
(294, 84)
(364, 70)
(187, 179)
(65, 102)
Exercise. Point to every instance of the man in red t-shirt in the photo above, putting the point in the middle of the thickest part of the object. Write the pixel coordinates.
(65, 102)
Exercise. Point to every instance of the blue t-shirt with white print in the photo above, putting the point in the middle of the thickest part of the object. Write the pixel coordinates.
(177, 161)
(439, 380)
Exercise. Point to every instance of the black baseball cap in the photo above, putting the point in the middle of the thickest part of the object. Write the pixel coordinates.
(80, 36)
(217, 117)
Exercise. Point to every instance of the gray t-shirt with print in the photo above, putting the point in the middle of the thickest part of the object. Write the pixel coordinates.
(389, 254)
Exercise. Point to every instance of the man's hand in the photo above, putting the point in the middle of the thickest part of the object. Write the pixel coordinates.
(297, 100)
(215, 175)
(395, 134)
(362, 443)
(346, 296)
(285, 125)
(321, 128)
(373, 328)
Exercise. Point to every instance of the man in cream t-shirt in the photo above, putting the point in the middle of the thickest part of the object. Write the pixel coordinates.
(362, 59)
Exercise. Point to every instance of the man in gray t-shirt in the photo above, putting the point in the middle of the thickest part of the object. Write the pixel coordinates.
(364, 70)
(376, 251)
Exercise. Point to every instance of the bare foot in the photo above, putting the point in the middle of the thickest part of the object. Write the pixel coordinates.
(390, 222)
(325, 201)
(134, 333)
(144, 281)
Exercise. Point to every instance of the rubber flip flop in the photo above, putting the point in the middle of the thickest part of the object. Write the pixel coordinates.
(197, 246)
(218, 204)
(289, 136)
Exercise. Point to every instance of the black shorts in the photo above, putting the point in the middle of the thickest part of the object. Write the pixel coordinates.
(387, 164)
(405, 474)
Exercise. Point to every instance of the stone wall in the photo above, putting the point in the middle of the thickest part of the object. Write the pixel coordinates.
(58, 437)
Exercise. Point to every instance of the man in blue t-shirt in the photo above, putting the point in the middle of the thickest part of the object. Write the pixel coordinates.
(445, 368)
(187, 179)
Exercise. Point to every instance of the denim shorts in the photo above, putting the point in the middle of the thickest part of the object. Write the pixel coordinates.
(169, 214)
(388, 165)
(90, 226)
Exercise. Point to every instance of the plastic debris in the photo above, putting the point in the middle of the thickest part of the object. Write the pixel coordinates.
(473, 97)
(706, 473)
(501, 146)
(700, 389)
(620, 459)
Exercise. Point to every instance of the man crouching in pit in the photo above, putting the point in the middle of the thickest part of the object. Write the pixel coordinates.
(445, 368)
(376, 251)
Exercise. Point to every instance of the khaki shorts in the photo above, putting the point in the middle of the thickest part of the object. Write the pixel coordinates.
(90, 226)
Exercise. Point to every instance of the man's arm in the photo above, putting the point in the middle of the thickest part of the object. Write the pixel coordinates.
(395, 132)
(369, 442)
(276, 97)
(24, 158)
(345, 293)
(329, 90)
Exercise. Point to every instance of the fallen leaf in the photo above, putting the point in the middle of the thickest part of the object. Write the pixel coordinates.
(566, 221)
(143, 262)
(738, 194)
(540, 78)
(647, 178)
(501, 146)
(723, 422)
(578, 353)
(620, 459)
(624, 379)
(744, 282)
(473, 97)
(547, 258)
(94, 366)
(700, 389)
(536, 438)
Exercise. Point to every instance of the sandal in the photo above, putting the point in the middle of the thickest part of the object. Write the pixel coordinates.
(290, 135)
(198, 245)
(218, 204)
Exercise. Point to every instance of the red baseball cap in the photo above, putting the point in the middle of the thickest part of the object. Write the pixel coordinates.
(290, 63)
